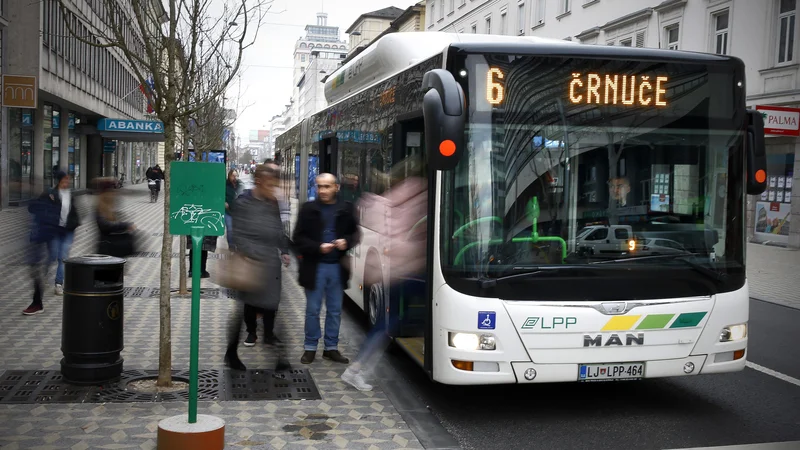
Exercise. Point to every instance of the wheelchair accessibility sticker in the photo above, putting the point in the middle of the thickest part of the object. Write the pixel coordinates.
(486, 320)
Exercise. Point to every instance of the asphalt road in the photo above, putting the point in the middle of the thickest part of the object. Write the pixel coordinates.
(741, 408)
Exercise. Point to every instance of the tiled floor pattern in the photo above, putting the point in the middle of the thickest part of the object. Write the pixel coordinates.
(344, 418)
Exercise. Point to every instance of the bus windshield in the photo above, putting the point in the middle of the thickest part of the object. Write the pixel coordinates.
(596, 163)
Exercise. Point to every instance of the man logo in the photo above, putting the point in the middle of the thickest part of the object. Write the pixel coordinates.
(612, 340)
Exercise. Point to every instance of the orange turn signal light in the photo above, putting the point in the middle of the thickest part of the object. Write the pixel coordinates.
(738, 354)
(463, 365)
(761, 175)
(447, 147)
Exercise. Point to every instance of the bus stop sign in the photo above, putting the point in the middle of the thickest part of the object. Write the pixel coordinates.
(197, 198)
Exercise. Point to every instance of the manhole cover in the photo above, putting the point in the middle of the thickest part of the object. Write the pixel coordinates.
(294, 384)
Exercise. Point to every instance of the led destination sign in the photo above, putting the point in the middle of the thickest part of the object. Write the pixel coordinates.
(595, 89)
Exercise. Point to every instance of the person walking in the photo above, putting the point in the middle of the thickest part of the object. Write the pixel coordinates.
(326, 229)
(401, 208)
(55, 221)
(154, 174)
(116, 237)
(259, 237)
(232, 189)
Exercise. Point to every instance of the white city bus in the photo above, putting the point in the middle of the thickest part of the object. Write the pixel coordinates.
(527, 142)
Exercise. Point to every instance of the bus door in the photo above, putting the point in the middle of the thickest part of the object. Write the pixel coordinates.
(328, 154)
(408, 310)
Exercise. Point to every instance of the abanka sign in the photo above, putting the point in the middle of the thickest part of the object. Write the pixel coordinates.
(780, 121)
(134, 126)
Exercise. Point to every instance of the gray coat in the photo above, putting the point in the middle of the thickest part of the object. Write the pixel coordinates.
(258, 234)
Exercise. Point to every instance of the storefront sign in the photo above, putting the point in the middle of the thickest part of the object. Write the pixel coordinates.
(19, 91)
(780, 121)
(134, 126)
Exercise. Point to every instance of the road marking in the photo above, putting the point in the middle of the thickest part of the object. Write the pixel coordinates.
(773, 373)
(766, 446)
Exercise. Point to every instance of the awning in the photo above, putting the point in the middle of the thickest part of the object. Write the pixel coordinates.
(127, 136)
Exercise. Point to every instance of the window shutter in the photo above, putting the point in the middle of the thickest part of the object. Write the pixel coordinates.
(640, 39)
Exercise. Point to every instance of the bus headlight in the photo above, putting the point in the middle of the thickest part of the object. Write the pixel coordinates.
(733, 333)
(472, 341)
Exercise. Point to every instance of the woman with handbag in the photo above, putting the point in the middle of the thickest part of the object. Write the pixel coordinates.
(254, 270)
(116, 236)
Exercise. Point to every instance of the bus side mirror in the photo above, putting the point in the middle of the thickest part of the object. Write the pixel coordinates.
(445, 114)
(756, 154)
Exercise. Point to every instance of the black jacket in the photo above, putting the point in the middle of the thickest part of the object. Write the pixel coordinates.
(231, 192)
(47, 213)
(307, 238)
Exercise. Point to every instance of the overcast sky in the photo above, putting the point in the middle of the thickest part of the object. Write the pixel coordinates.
(266, 77)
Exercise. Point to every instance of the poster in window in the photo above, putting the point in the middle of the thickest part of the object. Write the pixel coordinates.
(771, 196)
(779, 196)
(789, 182)
(773, 182)
(787, 196)
(781, 182)
(764, 196)
(773, 221)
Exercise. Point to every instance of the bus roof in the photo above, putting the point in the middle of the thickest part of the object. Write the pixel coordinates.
(396, 52)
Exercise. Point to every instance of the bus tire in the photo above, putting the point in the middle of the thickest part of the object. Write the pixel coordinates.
(373, 292)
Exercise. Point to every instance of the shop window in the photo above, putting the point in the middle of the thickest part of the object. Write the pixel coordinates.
(20, 164)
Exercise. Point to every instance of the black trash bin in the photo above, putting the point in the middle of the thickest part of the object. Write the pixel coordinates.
(91, 330)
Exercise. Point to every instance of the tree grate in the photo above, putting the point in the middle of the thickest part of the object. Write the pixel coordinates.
(293, 384)
(48, 386)
(205, 293)
(174, 255)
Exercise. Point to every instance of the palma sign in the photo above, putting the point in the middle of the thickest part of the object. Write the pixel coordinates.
(135, 126)
(779, 120)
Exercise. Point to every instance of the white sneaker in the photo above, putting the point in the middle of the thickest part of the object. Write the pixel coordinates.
(356, 379)
(59, 289)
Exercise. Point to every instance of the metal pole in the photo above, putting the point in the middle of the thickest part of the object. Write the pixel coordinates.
(194, 338)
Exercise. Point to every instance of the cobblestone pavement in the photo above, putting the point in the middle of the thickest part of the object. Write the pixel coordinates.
(774, 274)
(344, 418)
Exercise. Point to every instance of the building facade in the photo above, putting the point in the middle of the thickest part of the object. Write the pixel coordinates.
(370, 25)
(763, 33)
(321, 41)
(75, 87)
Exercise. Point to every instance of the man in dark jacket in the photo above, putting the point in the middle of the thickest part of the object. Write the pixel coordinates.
(55, 220)
(326, 229)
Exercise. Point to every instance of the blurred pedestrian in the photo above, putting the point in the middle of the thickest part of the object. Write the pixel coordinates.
(232, 189)
(404, 207)
(55, 219)
(259, 237)
(116, 236)
(280, 193)
(326, 229)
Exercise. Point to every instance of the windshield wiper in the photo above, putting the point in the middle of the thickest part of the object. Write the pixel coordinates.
(490, 282)
(682, 257)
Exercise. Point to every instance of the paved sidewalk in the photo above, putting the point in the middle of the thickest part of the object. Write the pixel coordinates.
(774, 274)
(344, 418)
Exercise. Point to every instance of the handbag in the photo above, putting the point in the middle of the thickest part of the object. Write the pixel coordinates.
(240, 273)
(120, 245)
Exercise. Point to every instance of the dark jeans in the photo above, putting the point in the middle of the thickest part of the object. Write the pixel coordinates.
(251, 319)
(203, 259)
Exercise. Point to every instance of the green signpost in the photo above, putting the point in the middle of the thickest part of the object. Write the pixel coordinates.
(197, 209)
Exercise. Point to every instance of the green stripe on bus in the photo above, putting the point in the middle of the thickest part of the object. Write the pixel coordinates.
(687, 320)
(655, 321)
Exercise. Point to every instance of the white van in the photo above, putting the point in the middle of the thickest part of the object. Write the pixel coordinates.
(611, 241)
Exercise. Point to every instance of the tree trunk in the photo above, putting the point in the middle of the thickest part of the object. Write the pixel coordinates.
(182, 290)
(165, 308)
